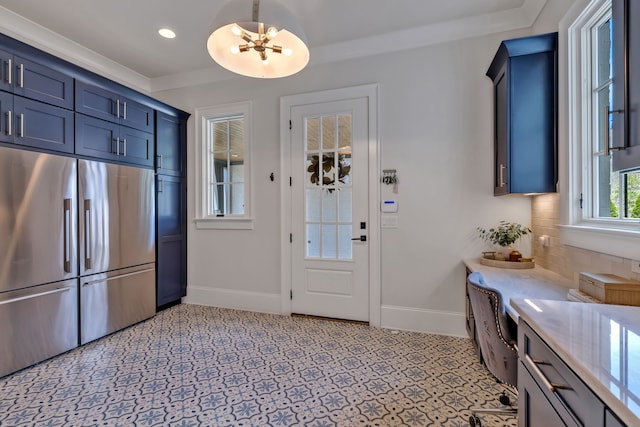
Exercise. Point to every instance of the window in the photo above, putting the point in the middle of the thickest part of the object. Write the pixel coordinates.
(600, 210)
(224, 139)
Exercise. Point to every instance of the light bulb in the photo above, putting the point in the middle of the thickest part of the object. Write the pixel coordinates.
(235, 50)
(265, 62)
(272, 32)
(287, 51)
(236, 30)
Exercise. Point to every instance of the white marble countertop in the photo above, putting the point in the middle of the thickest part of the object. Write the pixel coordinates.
(599, 342)
(537, 282)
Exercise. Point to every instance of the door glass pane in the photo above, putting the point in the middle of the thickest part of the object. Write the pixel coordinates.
(329, 241)
(604, 48)
(344, 205)
(328, 186)
(313, 240)
(313, 134)
(329, 206)
(345, 245)
(329, 133)
(344, 132)
(236, 199)
(313, 201)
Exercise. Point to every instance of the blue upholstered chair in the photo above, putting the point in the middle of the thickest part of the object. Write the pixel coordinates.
(497, 339)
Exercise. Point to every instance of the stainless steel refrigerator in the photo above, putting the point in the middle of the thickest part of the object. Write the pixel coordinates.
(77, 253)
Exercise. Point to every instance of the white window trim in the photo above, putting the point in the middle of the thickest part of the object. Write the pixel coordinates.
(615, 237)
(229, 222)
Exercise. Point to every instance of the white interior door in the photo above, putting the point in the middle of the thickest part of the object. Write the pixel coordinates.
(330, 200)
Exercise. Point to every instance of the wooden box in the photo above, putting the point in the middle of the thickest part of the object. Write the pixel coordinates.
(610, 289)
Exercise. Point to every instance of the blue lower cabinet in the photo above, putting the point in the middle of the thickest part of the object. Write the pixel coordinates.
(110, 141)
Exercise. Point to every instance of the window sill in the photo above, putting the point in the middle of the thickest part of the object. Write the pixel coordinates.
(224, 223)
(611, 241)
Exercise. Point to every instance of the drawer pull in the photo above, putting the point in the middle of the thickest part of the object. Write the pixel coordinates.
(119, 276)
(40, 294)
(552, 387)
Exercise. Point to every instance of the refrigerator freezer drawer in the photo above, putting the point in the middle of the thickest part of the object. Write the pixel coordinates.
(116, 299)
(37, 323)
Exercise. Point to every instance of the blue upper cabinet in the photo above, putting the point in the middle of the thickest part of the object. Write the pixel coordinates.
(104, 104)
(625, 111)
(525, 75)
(32, 80)
(171, 144)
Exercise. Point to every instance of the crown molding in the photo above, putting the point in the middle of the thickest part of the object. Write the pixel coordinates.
(38, 36)
(26, 31)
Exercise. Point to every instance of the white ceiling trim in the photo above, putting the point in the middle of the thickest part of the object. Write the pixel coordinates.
(411, 38)
(36, 35)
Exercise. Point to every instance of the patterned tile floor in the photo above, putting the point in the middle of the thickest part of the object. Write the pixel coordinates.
(201, 366)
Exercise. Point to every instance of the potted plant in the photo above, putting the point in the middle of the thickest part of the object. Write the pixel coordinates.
(504, 235)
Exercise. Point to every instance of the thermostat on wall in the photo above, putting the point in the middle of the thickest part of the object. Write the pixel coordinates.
(389, 206)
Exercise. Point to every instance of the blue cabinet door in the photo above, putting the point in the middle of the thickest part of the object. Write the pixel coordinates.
(6, 70)
(136, 146)
(41, 83)
(104, 104)
(42, 126)
(171, 143)
(171, 239)
(6, 117)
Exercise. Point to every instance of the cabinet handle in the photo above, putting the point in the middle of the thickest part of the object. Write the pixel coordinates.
(21, 118)
(87, 234)
(607, 147)
(502, 168)
(118, 108)
(117, 146)
(10, 73)
(161, 186)
(124, 110)
(119, 276)
(40, 294)
(159, 161)
(545, 381)
(21, 81)
(67, 236)
(9, 123)
(124, 147)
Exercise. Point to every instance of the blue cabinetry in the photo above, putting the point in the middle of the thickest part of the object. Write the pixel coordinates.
(171, 245)
(104, 104)
(110, 141)
(41, 125)
(524, 74)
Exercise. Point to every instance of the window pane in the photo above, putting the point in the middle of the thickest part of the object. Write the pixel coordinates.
(604, 49)
(633, 194)
(344, 205)
(313, 134)
(313, 201)
(329, 206)
(344, 169)
(328, 169)
(602, 102)
(236, 199)
(344, 242)
(220, 136)
(313, 240)
(313, 169)
(344, 131)
(329, 241)
(606, 201)
(329, 132)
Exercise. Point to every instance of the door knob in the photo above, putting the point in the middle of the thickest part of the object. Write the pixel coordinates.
(362, 238)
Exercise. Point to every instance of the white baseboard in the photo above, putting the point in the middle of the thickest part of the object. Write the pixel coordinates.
(418, 320)
(229, 298)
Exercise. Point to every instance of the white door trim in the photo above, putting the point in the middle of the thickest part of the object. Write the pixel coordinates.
(370, 92)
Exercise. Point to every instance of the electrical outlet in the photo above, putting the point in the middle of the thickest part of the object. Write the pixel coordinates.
(635, 266)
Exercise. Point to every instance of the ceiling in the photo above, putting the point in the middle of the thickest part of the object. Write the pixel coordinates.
(124, 32)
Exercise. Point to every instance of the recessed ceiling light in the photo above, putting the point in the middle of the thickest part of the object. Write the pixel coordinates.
(167, 33)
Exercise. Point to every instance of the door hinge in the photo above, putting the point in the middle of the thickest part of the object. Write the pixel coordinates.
(291, 294)
(290, 125)
(290, 181)
(581, 200)
(290, 237)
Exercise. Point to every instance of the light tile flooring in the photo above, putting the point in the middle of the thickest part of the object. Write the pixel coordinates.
(201, 366)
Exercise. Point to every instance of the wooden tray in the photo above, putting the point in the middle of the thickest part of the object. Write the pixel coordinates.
(507, 264)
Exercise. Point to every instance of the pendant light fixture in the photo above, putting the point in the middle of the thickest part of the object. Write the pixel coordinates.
(271, 45)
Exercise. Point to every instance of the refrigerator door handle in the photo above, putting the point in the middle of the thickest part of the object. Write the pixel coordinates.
(67, 236)
(87, 234)
(39, 294)
(119, 276)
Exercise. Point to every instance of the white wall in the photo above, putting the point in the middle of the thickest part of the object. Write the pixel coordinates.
(435, 129)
